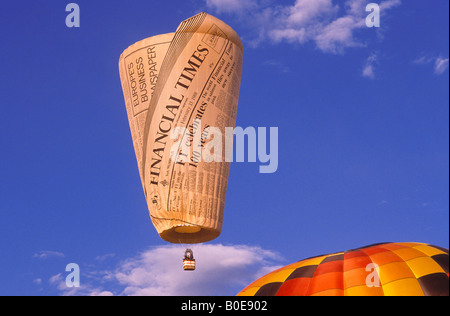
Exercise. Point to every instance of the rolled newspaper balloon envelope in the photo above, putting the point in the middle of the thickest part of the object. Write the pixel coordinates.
(181, 90)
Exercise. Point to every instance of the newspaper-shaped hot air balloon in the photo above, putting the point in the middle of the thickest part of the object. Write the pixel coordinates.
(177, 87)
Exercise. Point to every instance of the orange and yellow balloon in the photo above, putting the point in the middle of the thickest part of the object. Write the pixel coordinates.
(388, 269)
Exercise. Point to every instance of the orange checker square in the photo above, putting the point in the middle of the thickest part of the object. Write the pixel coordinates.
(327, 281)
(410, 244)
(386, 257)
(247, 288)
(294, 287)
(355, 277)
(409, 253)
(394, 271)
(393, 246)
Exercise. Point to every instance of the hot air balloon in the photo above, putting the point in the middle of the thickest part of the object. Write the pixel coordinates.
(177, 86)
(387, 269)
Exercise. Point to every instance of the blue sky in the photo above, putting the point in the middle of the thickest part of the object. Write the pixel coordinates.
(363, 119)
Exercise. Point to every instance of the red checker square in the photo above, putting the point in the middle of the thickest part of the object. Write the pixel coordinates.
(333, 266)
(327, 281)
(356, 263)
(294, 287)
(373, 250)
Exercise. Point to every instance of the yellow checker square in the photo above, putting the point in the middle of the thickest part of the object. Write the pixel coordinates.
(307, 262)
(424, 266)
(409, 253)
(394, 271)
(429, 251)
(249, 292)
(364, 290)
(313, 261)
(403, 287)
(277, 276)
(410, 244)
(295, 265)
(259, 282)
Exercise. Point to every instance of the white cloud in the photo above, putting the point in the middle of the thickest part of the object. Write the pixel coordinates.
(332, 25)
(339, 35)
(369, 72)
(45, 254)
(369, 67)
(356, 7)
(305, 12)
(440, 65)
(55, 279)
(319, 21)
(87, 287)
(278, 65)
(105, 257)
(159, 271)
(37, 281)
(303, 21)
(101, 293)
(230, 6)
(389, 4)
(423, 60)
(290, 35)
(221, 270)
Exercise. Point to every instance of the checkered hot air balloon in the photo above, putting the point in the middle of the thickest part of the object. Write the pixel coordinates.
(388, 269)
